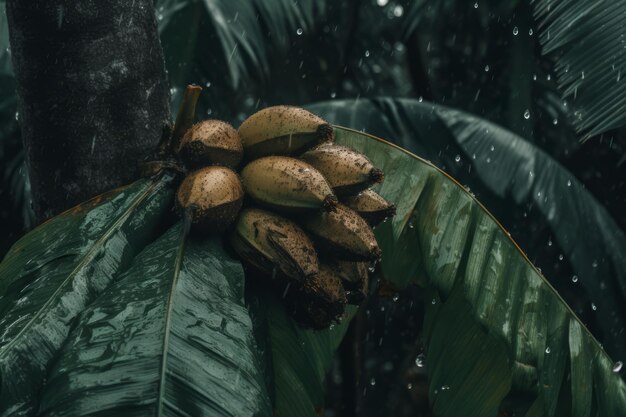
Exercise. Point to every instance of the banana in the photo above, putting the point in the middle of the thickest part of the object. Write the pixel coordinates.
(317, 302)
(353, 276)
(212, 196)
(371, 206)
(342, 233)
(273, 244)
(347, 170)
(211, 142)
(287, 184)
(282, 130)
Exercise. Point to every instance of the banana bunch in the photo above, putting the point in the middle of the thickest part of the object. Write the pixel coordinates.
(300, 211)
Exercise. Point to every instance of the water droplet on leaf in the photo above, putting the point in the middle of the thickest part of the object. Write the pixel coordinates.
(420, 361)
(618, 366)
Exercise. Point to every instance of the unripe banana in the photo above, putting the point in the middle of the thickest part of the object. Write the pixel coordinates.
(347, 170)
(317, 302)
(212, 197)
(287, 184)
(211, 142)
(371, 206)
(342, 233)
(273, 244)
(282, 130)
(353, 276)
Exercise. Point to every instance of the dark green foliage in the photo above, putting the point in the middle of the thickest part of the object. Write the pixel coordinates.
(587, 39)
(515, 179)
(50, 275)
(171, 336)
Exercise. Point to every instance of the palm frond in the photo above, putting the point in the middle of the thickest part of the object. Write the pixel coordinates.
(587, 39)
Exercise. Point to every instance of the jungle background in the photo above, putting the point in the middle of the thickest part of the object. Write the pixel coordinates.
(494, 59)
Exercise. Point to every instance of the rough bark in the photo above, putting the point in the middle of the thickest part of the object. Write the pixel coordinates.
(93, 94)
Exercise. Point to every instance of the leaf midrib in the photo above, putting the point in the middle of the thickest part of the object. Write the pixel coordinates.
(168, 323)
(87, 258)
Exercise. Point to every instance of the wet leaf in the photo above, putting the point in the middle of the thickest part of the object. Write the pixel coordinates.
(587, 40)
(509, 174)
(50, 275)
(459, 248)
(170, 337)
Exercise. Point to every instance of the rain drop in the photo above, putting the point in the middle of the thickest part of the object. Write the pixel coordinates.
(420, 99)
(515, 31)
(395, 297)
(594, 307)
(560, 257)
(445, 387)
(382, 3)
(457, 158)
(569, 183)
(534, 77)
(618, 366)
(530, 32)
(367, 53)
(486, 68)
(548, 349)
(409, 386)
(575, 279)
(372, 382)
(549, 242)
(398, 11)
(595, 263)
(492, 148)
(549, 77)
(420, 361)
(333, 95)
(527, 114)
(555, 121)
(488, 160)
(299, 31)
(476, 5)
(433, 302)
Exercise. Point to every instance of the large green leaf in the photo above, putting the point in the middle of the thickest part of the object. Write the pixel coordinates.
(446, 240)
(587, 38)
(170, 337)
(300, 360)
(506, 172)
(50, 275)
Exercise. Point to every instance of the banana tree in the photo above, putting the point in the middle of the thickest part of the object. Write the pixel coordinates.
(112, 308)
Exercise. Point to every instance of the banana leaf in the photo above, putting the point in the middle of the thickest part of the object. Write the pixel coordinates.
(443, 239)
(50, 275)
(170, 337)
(587, 40)
(297, 359)
(506, 171)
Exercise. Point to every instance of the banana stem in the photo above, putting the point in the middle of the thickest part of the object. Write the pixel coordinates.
(186, 115)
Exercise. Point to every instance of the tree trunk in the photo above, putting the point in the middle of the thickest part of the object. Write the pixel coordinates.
(93, 94)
